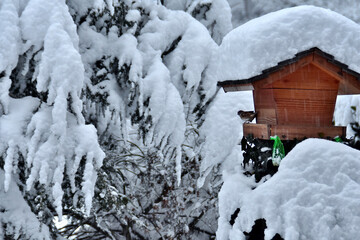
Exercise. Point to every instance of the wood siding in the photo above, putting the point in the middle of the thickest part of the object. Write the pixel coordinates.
(290, 132)
(305, 107)
(261, 131)
(265, 106)
(296, 98)
(305, 97)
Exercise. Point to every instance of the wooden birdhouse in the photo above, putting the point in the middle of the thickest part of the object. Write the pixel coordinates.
(296, 98)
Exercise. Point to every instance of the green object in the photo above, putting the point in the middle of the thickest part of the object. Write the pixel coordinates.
(338, 139)
(278, 151)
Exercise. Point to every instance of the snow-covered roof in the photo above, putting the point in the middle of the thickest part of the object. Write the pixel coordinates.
(264, 42)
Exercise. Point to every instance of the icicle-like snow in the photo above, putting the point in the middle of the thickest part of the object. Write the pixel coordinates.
(16, 216)
(57, 134)
(9, 49)
(10, 35)
(89, 181)
(8, 166)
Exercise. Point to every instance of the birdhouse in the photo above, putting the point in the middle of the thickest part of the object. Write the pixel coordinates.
(296, 98)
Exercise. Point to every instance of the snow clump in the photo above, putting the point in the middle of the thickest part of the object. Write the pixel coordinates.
(265, 41)
(314, 195)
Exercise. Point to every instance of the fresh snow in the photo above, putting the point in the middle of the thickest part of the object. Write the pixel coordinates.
(37, 18)
(265, 41)
(215, 15)
(170, 82)
(12, 126)
(314, 195)
(16, 216)
(223, 131)
(49, 133)
(52, 137)
(10, 35)
(244, 10)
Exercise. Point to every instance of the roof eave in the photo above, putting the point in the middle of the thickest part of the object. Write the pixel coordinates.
(239, 85)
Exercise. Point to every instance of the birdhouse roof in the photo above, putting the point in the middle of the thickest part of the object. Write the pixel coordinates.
(349, 79)
(272, 41)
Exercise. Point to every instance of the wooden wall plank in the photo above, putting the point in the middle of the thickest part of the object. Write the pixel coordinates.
(308, 77)
(348, 83)
(266, 116)
(238, 87)
(261, 131)
(290, 132)
(265, 106)
(285, 71)
(305, 107)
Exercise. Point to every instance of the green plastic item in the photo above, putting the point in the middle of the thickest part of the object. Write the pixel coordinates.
(278, 151)
(338, 139)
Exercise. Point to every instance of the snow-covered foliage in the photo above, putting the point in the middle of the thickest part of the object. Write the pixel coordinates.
(264, 42)
(245, 10)
(215, 15)
(223, 131)
(145, 92)
(314, 195)
(151, 75)
(43, 132)
(16, 217)
(126, 75)
(135, 78)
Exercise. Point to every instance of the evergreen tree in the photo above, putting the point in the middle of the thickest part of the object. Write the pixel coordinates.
(129, 76)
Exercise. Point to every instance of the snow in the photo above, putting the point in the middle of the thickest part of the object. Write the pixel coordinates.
(9, 48)
(10, 36)
(133, 15)
(345, 113)
(166, 109)
(42, 14)
(217, 19)
(43, 131)
(215, 15)
(52, 136)
(16, 216)
(265, 41)
(12, 126)
(244, 10)
(61, 74)
(223, 131)
(49, 153)
(314, 195)
(191, 56)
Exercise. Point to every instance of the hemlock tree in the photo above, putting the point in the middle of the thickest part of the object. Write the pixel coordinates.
(129, 76)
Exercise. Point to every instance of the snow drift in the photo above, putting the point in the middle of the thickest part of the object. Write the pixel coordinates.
(314, 195)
